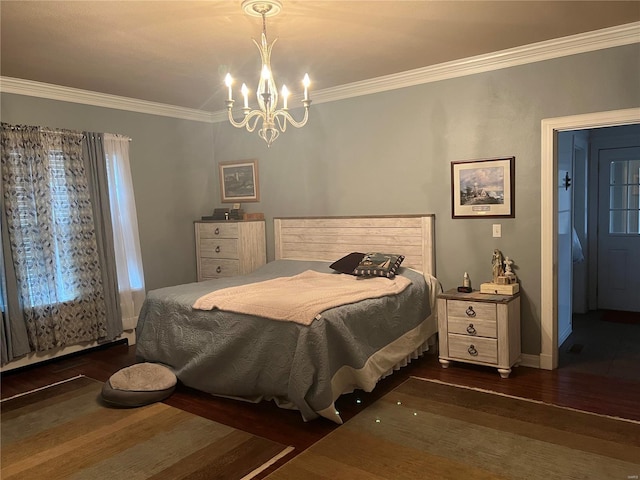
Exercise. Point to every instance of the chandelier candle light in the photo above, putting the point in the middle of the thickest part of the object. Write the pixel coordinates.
(274, 120)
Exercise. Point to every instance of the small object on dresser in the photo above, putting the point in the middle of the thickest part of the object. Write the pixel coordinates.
(508, 272)
(496, 265)
(498, 289)
(236, 214)
(253, 216)
(504, 281)
(218, 214)
(466, 284)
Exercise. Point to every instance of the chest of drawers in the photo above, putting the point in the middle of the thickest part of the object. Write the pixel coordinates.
(225, 249)
(479, 328)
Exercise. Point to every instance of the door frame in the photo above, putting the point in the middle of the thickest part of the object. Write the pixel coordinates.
(548, 218)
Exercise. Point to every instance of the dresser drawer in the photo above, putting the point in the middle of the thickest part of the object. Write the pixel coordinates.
(471, 310)
(218, 230)
(477, 349)
(217, 268)
(473, 327)
(219, 248)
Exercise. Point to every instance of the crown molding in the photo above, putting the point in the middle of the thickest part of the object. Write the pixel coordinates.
(86, 97)
(536, 52)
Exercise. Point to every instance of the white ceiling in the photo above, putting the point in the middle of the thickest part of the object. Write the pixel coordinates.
(177, 52)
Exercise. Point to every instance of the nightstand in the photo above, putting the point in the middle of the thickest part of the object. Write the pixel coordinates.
(479, 328)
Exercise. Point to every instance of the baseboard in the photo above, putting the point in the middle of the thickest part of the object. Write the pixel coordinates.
(528, 360)
(545, 362)
(39, 357)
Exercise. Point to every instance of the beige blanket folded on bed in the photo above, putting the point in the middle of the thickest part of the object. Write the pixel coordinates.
(300, 298)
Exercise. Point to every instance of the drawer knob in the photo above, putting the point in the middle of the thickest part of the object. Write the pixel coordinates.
(472, 351)
(219, 269)
(470, 311)
(218, 249)
(471, 330)
(217, 231)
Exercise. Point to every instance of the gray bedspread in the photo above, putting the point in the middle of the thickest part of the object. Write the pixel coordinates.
(254, 358)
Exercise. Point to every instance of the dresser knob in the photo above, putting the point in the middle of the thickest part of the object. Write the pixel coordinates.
(472, 351)
(219, 269)
(218, 249)
(217, 231)
(471, 330)
(470, 312)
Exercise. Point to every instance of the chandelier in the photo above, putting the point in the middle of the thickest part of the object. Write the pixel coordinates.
(272, 120)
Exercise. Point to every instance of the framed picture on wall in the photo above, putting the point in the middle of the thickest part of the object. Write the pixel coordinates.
(239, 181)
(483, 188)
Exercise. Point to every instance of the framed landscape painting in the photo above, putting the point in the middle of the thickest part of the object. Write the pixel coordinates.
(239, 181)
(483, 188)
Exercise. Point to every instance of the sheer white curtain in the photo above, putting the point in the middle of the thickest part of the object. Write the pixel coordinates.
(125, 228)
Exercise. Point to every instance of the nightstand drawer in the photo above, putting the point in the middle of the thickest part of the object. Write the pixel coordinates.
(219, 248)
(466, 348)
(473, 327)
(216, 268)
(218, 230)
(471, 310)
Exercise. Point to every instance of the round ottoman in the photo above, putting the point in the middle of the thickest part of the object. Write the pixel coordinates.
(138, 385)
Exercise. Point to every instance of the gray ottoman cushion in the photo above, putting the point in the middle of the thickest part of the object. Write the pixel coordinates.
(139, 384)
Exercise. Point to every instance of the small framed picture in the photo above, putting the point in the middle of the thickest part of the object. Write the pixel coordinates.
(239, 181)
(483, 188)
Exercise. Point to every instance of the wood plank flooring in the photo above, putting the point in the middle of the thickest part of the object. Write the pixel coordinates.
(584, 391)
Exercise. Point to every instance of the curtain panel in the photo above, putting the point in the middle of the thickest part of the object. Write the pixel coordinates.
(54, 262)
(13, 331)
(125, 228)
(98, 184)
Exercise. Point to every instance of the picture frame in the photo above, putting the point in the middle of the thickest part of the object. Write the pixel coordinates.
(483, 188)
(239, 181)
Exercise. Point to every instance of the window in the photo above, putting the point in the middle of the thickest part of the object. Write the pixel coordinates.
(61, 205)
(624, 190)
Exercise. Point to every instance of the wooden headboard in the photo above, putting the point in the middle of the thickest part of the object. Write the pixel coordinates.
(330, 238)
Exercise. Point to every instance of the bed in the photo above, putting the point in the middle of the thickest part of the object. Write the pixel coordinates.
(301, 366)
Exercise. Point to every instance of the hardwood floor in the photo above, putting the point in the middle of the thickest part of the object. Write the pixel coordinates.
(565, 387)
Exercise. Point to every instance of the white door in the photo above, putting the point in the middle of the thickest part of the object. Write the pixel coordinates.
(565, 227)
(619, 229)
(579, 241)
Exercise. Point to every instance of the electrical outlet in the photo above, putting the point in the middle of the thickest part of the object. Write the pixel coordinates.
(497, 230)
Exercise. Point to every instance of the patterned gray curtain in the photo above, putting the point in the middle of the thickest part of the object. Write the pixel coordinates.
(13, 331)
(95, 163)
(49, 221)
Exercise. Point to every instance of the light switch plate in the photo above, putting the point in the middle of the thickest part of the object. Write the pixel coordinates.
(497, 230)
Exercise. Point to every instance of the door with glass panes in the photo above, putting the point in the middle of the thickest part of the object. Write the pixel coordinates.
(619, 229)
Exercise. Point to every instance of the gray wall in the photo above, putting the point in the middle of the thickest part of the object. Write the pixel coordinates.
(172, 168)
(392, 152)
(388, 153)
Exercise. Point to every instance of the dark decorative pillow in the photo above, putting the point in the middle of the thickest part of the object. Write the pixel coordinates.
(348, 263)
(379, 265)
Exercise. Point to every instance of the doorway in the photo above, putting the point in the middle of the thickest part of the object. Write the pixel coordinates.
(598, 313)
(549, 208)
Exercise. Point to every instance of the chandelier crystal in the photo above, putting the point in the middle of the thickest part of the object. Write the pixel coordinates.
(272, 120)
